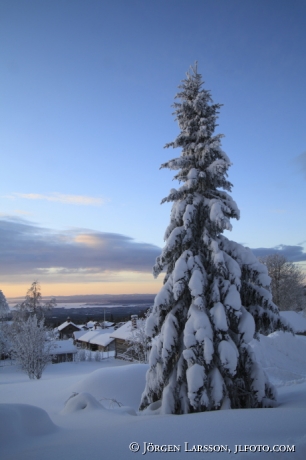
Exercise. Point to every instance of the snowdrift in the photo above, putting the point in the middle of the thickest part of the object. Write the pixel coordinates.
(283, 357)
(124, 384)
(296, 320)
(23, 420)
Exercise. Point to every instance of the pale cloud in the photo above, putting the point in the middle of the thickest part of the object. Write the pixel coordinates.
(88, 240)
(26, 248)
(292, 253)
(61, 198)
(81, 257)
(22, 213)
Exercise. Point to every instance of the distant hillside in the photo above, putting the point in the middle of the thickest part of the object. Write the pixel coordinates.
(100, 299)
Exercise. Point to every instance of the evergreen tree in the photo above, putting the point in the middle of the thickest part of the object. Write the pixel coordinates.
(4, 308)
(216, 296)
(4, 314)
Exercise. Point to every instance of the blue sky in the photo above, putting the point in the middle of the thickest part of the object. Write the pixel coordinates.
(85, 110)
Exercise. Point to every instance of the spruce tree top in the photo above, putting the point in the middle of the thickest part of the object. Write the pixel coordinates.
(202, 169)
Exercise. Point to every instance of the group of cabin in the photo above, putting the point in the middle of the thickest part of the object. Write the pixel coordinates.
(98, 338)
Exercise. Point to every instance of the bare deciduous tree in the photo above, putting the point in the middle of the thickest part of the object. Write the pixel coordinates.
(32, 305)
(287, 282)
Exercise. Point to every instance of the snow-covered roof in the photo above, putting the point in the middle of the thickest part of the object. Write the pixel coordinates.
(124, 332)
(59, 347)
(65, 324)
(92, 323)
(96, 338)
(78, 334)
(107, 323)
(296, 320)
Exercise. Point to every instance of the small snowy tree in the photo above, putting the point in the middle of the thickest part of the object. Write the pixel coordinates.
(4, 308)
(30, 347)
(216, 295)
(32, 305)
(287, 282)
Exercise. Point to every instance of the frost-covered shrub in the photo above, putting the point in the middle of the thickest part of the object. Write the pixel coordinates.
(88, 355)
(80, 355)
(97, 356)
(138, 343)
(30, 347)
(216, 294)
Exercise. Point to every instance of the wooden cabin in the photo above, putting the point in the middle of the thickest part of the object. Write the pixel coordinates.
(97, 340)
(67, 329)
(123, 337)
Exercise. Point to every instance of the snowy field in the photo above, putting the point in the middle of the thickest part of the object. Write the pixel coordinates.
(36, 424)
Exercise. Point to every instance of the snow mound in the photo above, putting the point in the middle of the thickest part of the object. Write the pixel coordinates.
(296, 320)
(19, 420)
(125, 410)
(81, 402)
(125, 384)
(283, 357)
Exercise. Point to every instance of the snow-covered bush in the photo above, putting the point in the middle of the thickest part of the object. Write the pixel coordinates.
(30, 347)
(97, 356)
(88, 355)
(80, 355)
(216, 294)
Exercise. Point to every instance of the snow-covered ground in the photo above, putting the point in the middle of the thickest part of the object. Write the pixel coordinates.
(35, 422)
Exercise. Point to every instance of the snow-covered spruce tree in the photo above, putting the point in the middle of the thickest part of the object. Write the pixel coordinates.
(216, 294)
(4, 308)
(4, 314)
